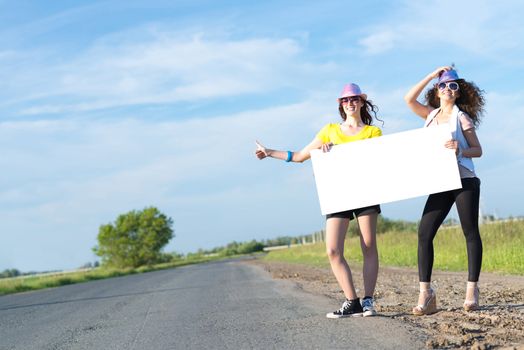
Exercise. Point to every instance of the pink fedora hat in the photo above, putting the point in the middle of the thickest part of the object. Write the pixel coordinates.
(352, 90)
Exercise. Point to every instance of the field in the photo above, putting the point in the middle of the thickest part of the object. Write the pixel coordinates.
(34, 282)
(503, 244)
(503, 247)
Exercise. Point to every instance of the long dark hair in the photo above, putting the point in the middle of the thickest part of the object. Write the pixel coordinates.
(471, 99)
(365, 112)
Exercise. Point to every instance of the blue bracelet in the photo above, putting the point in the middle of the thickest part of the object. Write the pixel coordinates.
(289, 156)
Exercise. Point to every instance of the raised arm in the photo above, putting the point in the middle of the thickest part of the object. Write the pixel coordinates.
(262, 152)
(411, 97)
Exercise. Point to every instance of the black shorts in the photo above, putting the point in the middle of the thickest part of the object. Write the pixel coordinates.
(350, 214)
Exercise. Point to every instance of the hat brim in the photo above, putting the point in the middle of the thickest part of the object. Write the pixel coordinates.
(364, 96)
(445, 80)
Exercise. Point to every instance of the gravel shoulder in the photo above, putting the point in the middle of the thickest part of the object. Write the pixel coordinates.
(498, 324)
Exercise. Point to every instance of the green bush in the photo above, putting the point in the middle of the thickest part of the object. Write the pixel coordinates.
(135, 239)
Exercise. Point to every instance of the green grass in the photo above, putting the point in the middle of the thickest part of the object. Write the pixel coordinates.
(503, 244)
(23, 284)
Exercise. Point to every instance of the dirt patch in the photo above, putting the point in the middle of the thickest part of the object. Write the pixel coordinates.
(498, 324)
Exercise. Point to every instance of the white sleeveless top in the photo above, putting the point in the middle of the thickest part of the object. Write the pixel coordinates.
(466, 166)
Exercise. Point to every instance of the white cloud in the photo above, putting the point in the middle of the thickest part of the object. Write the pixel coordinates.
(492, 30)
(378, 42)
(503, 125)
(161, 67)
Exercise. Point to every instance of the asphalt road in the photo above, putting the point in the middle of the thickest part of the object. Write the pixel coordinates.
(221, 305)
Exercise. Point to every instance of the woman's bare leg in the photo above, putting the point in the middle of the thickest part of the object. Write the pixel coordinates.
(336, 229)
(368, 242)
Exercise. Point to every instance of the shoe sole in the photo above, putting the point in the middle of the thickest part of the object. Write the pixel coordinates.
(424, 312)
(429, 308)
(369, 313)
(344, 316)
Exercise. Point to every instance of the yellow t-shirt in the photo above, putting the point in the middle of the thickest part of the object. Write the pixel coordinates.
(332, 133)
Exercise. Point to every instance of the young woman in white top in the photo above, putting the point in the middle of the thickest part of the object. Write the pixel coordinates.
(460, 104)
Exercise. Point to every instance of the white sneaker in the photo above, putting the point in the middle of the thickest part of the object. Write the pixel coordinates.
(368, 308)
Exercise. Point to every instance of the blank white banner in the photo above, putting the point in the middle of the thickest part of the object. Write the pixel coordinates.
(385, 169)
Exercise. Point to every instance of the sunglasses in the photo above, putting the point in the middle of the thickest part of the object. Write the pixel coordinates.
(352, 99)
(452, 85)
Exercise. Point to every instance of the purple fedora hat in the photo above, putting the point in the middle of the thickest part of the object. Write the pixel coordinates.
(448, 75)
(352, 90)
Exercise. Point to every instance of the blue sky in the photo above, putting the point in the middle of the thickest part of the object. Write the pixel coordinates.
(110, 106)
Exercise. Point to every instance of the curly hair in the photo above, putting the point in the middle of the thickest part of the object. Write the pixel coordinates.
(471, 99)
(365, 112)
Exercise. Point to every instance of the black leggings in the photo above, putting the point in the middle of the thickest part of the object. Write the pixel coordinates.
(437, 208)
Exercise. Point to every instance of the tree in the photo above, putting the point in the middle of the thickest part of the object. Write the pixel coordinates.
(135, 239)
(9, 273)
